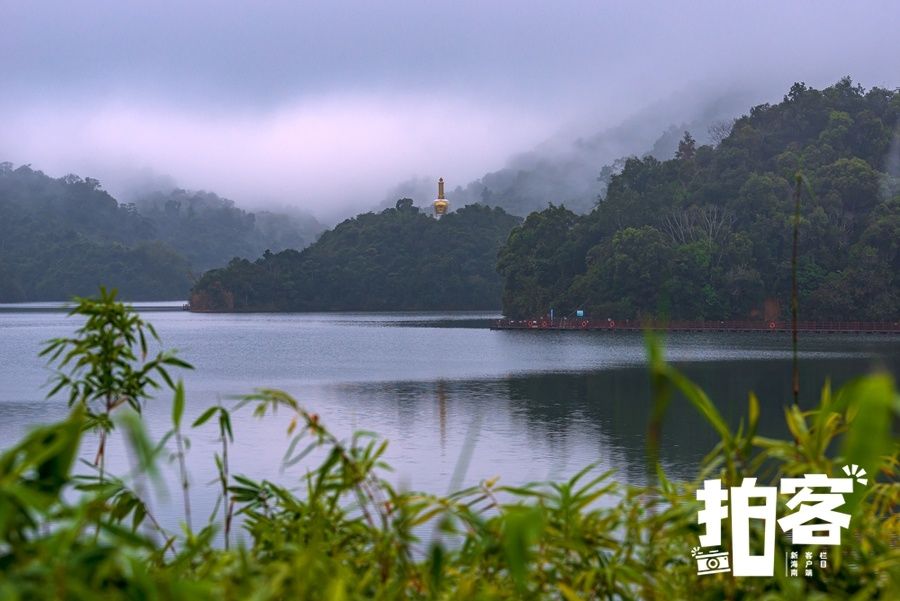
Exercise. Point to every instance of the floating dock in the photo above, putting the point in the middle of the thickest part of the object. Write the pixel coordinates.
(149, 307)
(632, 325)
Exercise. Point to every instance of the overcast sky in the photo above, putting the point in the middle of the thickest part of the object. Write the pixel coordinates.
(325, 105)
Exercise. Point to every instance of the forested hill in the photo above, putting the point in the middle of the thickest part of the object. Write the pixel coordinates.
(210, 230)
(398, 259)
(708, 233)
(65, 237)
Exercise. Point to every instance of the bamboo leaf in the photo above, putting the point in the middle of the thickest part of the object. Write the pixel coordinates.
(178, 404)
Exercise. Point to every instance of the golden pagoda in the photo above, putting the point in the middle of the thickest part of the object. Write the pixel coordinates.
(441, 204)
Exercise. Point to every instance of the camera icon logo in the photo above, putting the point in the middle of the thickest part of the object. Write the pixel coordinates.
(711, 562)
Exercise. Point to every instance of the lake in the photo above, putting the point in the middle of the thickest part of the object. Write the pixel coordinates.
(528, 405)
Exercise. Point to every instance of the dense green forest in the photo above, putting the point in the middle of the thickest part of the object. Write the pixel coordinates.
(398, 259)
(64, 237)
(708, 233)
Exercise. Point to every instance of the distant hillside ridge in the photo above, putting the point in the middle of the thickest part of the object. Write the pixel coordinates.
(64, 237)
(398, 259)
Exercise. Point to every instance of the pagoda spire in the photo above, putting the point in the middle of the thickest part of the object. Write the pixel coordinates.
(441, 204)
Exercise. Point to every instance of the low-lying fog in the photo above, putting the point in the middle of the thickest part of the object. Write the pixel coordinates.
(339, 107)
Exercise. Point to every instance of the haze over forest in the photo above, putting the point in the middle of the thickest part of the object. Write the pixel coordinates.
(334, 109)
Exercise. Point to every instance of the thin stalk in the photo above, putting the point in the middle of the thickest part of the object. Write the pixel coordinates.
(794, 294)
(139, 491)
(101, 453)
(229, 504)
(100, 459)
(185, 484)
(228, 517)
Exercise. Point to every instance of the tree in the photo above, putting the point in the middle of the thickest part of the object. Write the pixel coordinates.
(536, 264)
(687, 148)
(718, 131)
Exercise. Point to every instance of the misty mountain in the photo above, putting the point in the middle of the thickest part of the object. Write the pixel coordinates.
(61, 237)
(210, 230)
(573, 169)
(707, 234)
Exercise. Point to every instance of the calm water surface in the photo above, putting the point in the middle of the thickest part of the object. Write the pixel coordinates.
(530, 405)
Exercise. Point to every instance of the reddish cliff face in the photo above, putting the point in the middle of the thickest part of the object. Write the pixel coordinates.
(212, 299)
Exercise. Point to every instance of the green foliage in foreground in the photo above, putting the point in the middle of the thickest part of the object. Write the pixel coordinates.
(348, 534)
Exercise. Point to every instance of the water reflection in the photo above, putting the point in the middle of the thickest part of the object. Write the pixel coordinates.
(549, 425)
(526, 405)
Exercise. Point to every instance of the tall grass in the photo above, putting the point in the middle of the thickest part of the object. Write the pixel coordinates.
(349, 534)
